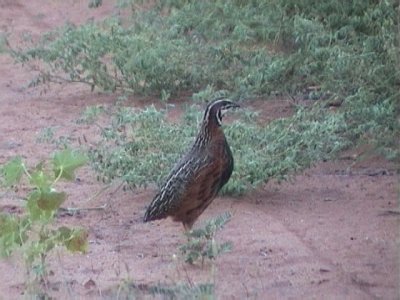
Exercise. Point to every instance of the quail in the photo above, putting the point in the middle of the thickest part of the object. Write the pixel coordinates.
(199, 175)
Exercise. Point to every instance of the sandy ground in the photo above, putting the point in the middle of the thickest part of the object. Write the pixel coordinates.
(332, 233)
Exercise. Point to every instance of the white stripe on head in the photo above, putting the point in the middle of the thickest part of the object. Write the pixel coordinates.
(220, 112)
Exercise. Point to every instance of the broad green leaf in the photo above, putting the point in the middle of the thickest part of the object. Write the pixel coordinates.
(12, 171)
(51, 200)
(40, 180)
(35, 212)
(66, 162)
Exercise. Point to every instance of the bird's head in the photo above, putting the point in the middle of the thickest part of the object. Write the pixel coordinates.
(216, 110)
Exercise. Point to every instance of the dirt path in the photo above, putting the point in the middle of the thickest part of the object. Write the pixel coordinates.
(333, 233)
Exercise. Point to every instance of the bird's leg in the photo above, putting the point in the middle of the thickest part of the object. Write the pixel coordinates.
(188, 229)
(186, 226)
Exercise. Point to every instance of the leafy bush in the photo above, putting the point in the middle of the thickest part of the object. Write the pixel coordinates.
(33, 234)
(131, 147)
(140, 146)
(323, 43)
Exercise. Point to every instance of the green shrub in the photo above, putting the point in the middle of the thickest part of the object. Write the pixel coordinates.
(33, 235)
(140, 146)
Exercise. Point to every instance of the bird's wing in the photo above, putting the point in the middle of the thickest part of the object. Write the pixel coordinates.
(176, 186)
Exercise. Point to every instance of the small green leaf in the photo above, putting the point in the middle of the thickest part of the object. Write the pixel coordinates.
(64, 233)
(12, 171)
(66, 162)
(47, 240)
(12, 233)
(31, 204)
(77, 241)
(8, 224)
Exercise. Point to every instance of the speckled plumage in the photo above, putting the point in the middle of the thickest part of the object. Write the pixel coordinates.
(198, 176)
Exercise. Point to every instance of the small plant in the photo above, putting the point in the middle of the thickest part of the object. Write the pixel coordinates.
(90, 114)
(129, 290)
(33, 234)
(46, 135)
(201, 244)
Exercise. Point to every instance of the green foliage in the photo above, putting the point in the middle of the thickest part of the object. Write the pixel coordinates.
(131, 150)
(283, 147)
(140, 146)
(224, 45)
(201, 243)
(33, 234)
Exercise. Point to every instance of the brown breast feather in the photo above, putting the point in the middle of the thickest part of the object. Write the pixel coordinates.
(203, 188)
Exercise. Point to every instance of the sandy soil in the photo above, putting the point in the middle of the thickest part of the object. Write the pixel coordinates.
(331, 233)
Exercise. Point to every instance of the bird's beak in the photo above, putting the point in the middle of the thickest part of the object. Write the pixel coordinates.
(234, 105)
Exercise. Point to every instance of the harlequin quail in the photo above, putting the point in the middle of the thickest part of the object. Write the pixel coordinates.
(198, 176)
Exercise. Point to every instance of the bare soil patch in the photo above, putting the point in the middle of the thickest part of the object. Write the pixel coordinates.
(331, 233)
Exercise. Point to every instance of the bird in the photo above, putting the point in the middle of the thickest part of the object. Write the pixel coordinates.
(199, 175)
